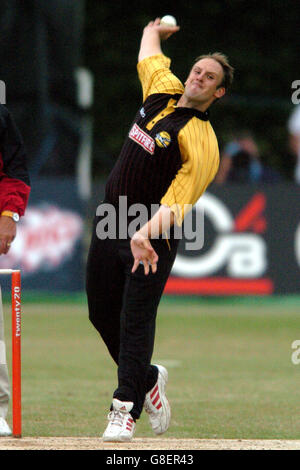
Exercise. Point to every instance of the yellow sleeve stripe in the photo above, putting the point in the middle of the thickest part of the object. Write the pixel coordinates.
(156, 77)
(200, 156)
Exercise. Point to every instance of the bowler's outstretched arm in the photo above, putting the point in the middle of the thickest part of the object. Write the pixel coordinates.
(153, 34)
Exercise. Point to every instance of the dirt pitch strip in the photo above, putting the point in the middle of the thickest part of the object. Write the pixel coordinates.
(93, 443)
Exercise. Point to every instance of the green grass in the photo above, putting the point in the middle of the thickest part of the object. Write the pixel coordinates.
(230, 369)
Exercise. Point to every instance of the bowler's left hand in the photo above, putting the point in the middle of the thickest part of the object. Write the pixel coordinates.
(143, 251)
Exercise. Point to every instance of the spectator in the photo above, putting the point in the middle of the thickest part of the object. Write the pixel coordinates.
(241, 162)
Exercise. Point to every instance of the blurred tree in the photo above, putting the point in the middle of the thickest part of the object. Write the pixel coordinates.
(40, 51)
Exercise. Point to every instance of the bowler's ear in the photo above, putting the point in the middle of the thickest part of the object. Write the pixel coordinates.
(220, 92)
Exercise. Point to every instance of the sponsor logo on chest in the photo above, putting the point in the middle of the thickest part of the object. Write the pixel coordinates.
(163, 139)
(142, 138)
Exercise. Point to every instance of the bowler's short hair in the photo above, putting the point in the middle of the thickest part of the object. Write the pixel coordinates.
(228, 70)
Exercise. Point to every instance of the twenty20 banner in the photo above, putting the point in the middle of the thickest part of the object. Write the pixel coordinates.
(251, 244)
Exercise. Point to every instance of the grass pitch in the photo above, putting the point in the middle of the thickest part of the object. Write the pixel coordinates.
(230, 369)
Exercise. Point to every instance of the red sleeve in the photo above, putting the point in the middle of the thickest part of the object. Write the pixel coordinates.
(14, 178)
(14, 195)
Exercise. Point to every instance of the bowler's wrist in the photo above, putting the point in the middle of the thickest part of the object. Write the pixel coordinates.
(140, 234)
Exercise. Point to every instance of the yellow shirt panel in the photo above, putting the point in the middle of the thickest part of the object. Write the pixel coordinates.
(156, 77)
(200, 155)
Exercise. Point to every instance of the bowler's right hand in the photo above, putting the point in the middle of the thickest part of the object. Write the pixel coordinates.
(164, 30)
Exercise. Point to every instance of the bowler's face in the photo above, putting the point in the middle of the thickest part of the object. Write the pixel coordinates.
(203, 81)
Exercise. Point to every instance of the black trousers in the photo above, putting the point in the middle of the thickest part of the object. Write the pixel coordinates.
(123, 307)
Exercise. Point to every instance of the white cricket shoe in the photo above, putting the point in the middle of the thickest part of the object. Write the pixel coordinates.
(4, 428)
(156, 403)
(121, 425)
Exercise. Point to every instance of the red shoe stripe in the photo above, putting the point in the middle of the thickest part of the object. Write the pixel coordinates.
(158, 406)
(154, 392)
(155, 400)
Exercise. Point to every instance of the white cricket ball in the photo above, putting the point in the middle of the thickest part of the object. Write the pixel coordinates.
(168, 20)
